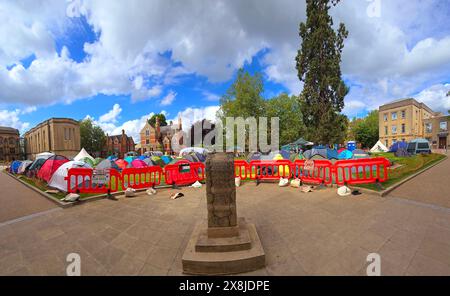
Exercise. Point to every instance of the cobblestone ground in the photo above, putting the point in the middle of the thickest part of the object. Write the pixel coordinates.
(316, 233)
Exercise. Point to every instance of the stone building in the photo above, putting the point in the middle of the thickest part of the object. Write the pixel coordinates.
(436, 131)
(9, 144)
(159, 138)
(403, 120)
(118, 145)
(57, 135)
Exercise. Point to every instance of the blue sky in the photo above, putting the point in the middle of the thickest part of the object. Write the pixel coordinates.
(119, 62)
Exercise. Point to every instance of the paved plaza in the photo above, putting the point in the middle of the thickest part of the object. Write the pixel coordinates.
(315, 233)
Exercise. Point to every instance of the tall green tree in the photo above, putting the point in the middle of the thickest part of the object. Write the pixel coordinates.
(366, 130)
(318, 65)
(162, 120)
(92, 136)
(244, 97)
(288, 110)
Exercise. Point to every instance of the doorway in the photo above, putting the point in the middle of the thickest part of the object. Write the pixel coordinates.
(442, 142)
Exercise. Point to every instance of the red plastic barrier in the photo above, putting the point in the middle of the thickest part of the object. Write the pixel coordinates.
(184, 172)
(241, 169)
(83, 180)
(139, 178)
(315, 172)
(361, 171)
(269, 169)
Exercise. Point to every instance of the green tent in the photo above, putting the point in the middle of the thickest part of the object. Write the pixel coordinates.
(88, 161)
(97, 161)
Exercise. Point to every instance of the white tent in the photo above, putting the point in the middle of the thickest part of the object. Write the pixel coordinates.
(188, 150)
(23, 166)
(58, 179)
(83, 154)
(379, 147)
(44, 155)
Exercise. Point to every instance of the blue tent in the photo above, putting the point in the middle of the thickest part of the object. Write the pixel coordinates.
(332, 154)
(112, 157)
(398, 145)
(142, 157)
(15, 166)
(129, 159)
(345, 155)
(166, 159)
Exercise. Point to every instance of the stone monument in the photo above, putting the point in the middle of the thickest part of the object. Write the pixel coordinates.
(224, 244)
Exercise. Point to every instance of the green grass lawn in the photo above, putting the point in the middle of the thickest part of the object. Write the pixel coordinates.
(409, 166)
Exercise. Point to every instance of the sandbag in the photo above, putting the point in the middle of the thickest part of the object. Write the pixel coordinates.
(296, 183)
(283, 182)
(130, 192)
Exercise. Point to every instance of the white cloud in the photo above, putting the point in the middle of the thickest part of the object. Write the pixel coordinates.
(211, 97)
(435, 97)
(392, 56)
(169, 98)
(112, 115)
(12, 119)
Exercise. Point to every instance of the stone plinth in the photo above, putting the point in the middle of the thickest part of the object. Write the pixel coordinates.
(223, 244)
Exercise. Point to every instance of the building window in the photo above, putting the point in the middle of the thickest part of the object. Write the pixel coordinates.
(394, 141)
(386, 130)
(385, 117)
(403, 128)
(147, 141)
(394, 129)
(394, 115)
(12, 151)
(403, 114)
(428, 127)
(147, 133)
(443, 125)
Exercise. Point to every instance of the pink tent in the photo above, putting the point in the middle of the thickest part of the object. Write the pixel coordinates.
(137, 163)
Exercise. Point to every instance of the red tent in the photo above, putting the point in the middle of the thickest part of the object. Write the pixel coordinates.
(122, 164)
(50, 166)
(137, 163)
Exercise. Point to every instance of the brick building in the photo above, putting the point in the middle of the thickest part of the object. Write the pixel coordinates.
(159, 138)
(118, 145)
(9, 144)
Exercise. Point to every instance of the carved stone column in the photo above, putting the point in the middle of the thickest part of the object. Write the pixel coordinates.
(223, 244)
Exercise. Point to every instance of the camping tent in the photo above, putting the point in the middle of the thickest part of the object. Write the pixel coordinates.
(50, 166)
(88, 161)
(122, 164)
(379, 147)
(398, 145)
(129, 159)
(137, 163)
(309, 154)
(143, 157)
(419, 146)
(44, 155)
(107, 164)
(188, 150)
(58, 180)
(97, 161)
(253, 156)
(14, 168)
(34, 168)
(157, 160)
(166, 159)
(401, 152)
(346, 154)
(358, 153)
(332, 154)
(189, 158)
(148, 162)
(201, 157)
(83, 154)
(23, 166)
(112, 157)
